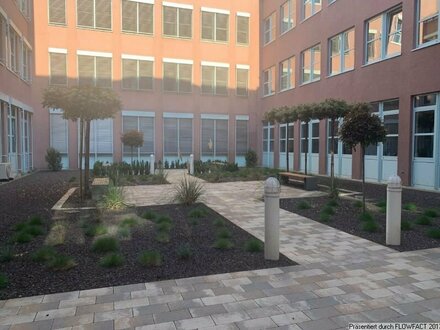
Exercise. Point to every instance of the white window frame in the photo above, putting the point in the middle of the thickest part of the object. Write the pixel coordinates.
(215, 12)
(178, 117)
(314, 11)
(65, 15)
(178, 7)
(215, 118)
(138, 115)
(341, 54)
(267, 85)
(94, 55)
(434, 134)
(267, 33)
(419, 21)
(216, 66)
(246, 120)
(138, 60)
(291, 17)
(94, 18)
(288, 76)
(178, 62)
(243, 15)
(149, 2)
(242, 67)
(312, 64)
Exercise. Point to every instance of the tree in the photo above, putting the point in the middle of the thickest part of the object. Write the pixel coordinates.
(133, 139)
(362, 128)
(83, 103)
(332, 110)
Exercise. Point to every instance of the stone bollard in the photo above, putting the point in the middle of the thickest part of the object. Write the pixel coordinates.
(152, 164)
(272, 219)
(191, 164)
(394, 210)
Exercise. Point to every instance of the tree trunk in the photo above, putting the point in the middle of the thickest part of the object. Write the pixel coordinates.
(332, 157)
(307, 148)
(363, 179)
(87, 193)
(287, 147)
(81, 146)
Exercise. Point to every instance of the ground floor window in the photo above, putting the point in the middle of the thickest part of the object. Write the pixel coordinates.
(178, 138)
(268, 145)
(141, 123)
(214, 143)
(286, 138)
(241, 139)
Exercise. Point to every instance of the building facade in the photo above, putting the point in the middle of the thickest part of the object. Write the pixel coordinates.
(197, 76)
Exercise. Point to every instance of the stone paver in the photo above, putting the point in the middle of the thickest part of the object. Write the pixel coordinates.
(340, 279)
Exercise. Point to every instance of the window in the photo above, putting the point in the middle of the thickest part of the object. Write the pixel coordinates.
(283, 137)
(287, 74)
(25, 7)
(242, 29)
(58, 68)
(311, 64)
(287, 15)
(215, 25)
(315, 137)
(269, 29)
(215, 78)
(142, 124)
(95, 70)
(177, 77)
(384, 35)
(14, 50)
(424, 125)
(57, 12)
(12, 130)
(341, 52)
(269, 81)
(95, 14)
(214, 138)
(178, 137)
(137, 74)
(101, 137)
(59, 133)
(26, 62)
(242, 75)
(241, 137)
(268, 137)
(137, 17)
(3, 38)
(311, 7)
(177, 22)
(428, 26)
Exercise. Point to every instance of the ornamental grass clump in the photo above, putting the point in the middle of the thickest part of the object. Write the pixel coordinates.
(105, 245)
(432, 213)
(92, 230)
(184, 252)
(434, 233)
(44, 254)
(61, 262)
(6, 254)
(253, 245)
(188, 191)
(113, 199)
(410, 207)
(150, 259)
(3, 281)
(224, 233)
(303, 205)
(370, 226)
(112, 260)
(423, 220)
(163, 237)
(223, 244)
(405, 225)
(150, 215)
(198, 213)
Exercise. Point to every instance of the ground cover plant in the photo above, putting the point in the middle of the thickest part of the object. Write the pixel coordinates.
(420, 227)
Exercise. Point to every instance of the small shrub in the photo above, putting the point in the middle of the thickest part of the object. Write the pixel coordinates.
(370, 226)
(219, 222)
(188, 191)
(332, 203)
(382, 205)
(105, 244)
(434, 233)
(53, 159)
(160, 177)
(150, 215)
(72, 179)
(93, 230)
(150, 259)
(303, 205)
(424, 220)
(163, 219)
(405, 225)
(35, 221)
(163, 237)
(113, 199)
(230, 167)
(251, 158)
(3, 281)
(111, 260)
(432, 213)
(20, 226)
(224, 233)
(329, 210)
(366, 216)
(184, 252)
(253, 245)
(44, 254)
(61, 262)
(33, 230)
(194, 222)
(357, 204)
(22, 237)
(324, 217)
(123, 232)
(163, 227)
(223, 244)
(197, 213)
(6, 254)
(130, 223)
(410, 207)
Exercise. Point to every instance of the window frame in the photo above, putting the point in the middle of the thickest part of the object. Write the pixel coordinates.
(178, 80)
(237, 68)
(138, 77)
(248, 17)
(214, 86)
(272, 29)
(291, 4)
(95, 78)
(434, 108)
(312, 64)
(289, 75)
(137, 18)
(314, 11)
(139, 153)
(177, 36)
(94, 18)
(341, 53)
(270, 82)
(215, 119)
(214, 27)
(418, 21)
(65, 15)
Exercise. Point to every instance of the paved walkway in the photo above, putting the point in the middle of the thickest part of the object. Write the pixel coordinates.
(340, 279)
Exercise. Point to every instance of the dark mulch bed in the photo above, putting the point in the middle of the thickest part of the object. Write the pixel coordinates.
(346, 218)
(29, 278)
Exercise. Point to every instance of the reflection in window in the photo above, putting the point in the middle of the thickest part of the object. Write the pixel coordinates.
(311, 7)
(311, 64)
(269, 81)
(287, 74)
(424, 134)
(269, 29)
(428, 27)
(342, 52)
(287, 15)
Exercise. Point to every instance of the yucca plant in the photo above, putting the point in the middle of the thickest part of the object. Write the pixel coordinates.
(113, 199)
(188, 191)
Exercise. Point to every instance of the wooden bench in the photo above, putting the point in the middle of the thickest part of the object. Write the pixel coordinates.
(307, 181)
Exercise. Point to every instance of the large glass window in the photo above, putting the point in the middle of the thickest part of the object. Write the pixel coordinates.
(59, 133)
(177, 77)
(242, 29)
(137, 74)
(215, 80)
(215, 26)
(58, 68)
(101, 137)
(177, 22)
(95, 71)
(311, 64)
(14, 50)
(269, 32)
(268, 137)
(3, 38)
(242, 81)
(137, 17)
(140, 124)
(95, 14)
(428, 21)
(424, 125)
(269, 81)
(284, 140)
(341, 52)
(287, 74)
(178, 137)
(311, 7)
(384, 35)
(241, 137)
(57, 12)
(287, 15)
(214, 142)
(12, 130)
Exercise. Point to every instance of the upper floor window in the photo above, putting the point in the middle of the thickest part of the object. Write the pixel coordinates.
(95, 14)
(242, 29)
(137, 17)
(3, 39)
(26, 62)
(177, 76)
(341, 52)
(384, 35)
(428, 27)
(137, 73)
(311, 7)
(215, 78)
(25, 7)
(311, 64)
(215, 24)
(242, 76)
(269, 29)
(287, 74)
(14, 50)
(177, 20)
(95, 70)
(269, 81)
(58, 67)
(287, 15)
(57, 12)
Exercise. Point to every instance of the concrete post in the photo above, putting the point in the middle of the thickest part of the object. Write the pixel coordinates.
(191, 164)
(272, 219)
(394, 210)
(152, 164)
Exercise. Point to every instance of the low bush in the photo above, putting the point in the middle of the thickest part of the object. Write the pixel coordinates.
(163, 237)
(129, 222)
(434, 233)
(251, 158)
(224, 233)
(33, 230)
(112, 260)
(198, 213)
(6, 254)
(184, 252)
(357, 204)
(164, 227)
(53, 159)
(113, 199)
(161, 177)
(432, 213)
(105, 245)
(223, 244)
(150, 259)
(303, 205)
(3, 281)
(188, 191)
(405, 225)
(93, 230)
(370, 226)
(332, 203)
(44, 254)
(324, 217)
(382, 205)
(424, 220)
(253, 245)
(150, 215)
(194, 222)
(366, 216)
(61, 262)
(123, 232)
(219, 222)
(328, 209)
(22, 237)
(35, 221)
(410, 207)
(163, 219)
